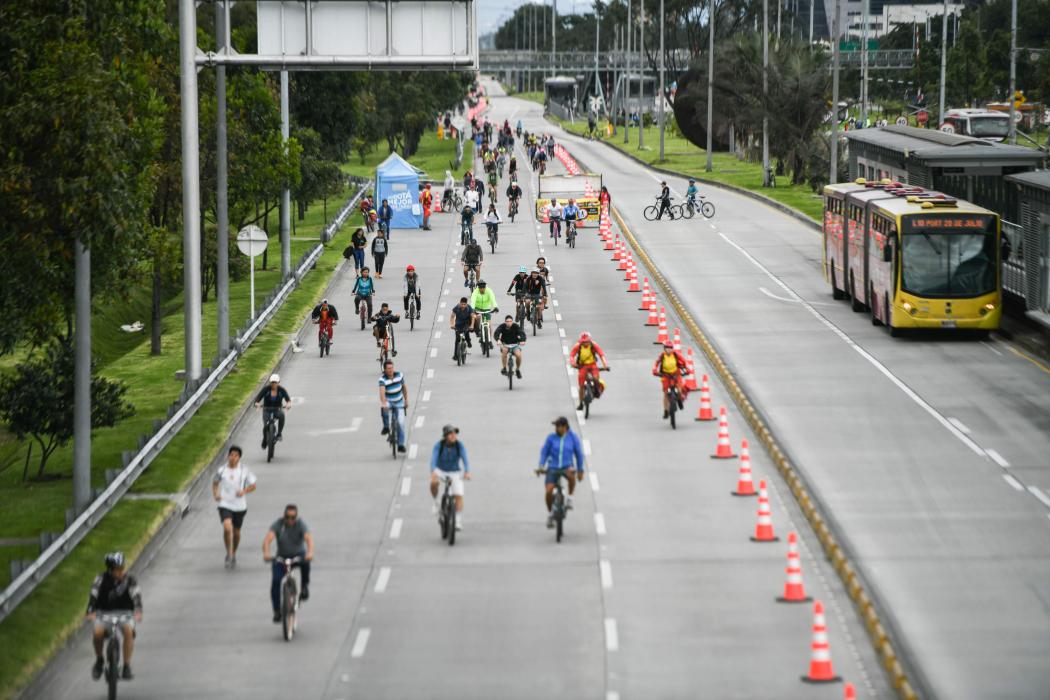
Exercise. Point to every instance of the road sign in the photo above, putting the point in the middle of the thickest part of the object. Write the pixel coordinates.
(902, 121)
(922, 117)
(948, 128)
(252, 240)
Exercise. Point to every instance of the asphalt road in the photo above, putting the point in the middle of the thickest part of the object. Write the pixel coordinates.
(656, 591)
(930, 451)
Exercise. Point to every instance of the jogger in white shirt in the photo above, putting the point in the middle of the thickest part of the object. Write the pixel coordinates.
(230, 487)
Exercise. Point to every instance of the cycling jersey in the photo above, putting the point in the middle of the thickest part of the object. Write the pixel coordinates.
(559, 451)
(325, 312)
(571, 212)
(107, 593)
(585, 355)
(483, 302)
(518, 283)
(670, 364)
(472, 254)
(509, 335)
(535, 285)
(513, 192)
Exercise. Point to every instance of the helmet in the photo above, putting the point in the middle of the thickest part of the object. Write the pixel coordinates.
(585, 337)
(324, 301)
(115, 560)
(514, 183)
(691, 181)
(275, 378)
(668, 345)
(410, 268)
(523, 269)
(481, 283)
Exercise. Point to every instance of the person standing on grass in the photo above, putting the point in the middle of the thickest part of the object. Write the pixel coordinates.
(380, 247)
(230, 487)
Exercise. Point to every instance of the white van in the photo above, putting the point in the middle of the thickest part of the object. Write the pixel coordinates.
(979, 123)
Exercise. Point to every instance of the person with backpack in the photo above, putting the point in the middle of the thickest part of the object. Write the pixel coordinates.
(449, 453)
(356, 250)
(380, 247)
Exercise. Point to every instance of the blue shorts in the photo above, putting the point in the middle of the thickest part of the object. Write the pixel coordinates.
(554, 474)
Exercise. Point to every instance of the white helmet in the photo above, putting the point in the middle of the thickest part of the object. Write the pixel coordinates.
(275, 378)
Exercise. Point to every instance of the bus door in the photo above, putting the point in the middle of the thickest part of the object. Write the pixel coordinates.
(882, 287)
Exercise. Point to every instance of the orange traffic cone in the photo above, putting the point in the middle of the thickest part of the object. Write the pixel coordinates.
(851, 693)
(629, 266)
(608, 243)
(690, 381)
(437, 207)
(633, 285)
(744, 485)
(646, 291)
(661, 333)
(723, 450)
(624, 257)
(678, 340)
(764, 526)
(820, 656)
(793, 589)
(705, 412)
(654, 318)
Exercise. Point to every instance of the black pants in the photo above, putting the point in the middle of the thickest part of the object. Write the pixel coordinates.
(665, 206)
(377, 261)
(270, 412)
(357, 301)
(419, 302)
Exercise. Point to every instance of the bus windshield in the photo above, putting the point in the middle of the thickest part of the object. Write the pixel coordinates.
(989, 126)
(948, 255)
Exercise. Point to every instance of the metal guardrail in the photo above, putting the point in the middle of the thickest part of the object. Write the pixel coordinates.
(179, 413)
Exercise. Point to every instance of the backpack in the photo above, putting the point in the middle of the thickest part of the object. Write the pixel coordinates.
(348, 252)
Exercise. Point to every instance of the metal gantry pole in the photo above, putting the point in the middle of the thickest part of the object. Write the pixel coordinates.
(661, 88)
(627, 81)
(597, 39)
(222, 222)
(82, 379)
(812, 3)
(286, 194)
(191, 198)
(710, 86)
(554, 35)
(641, 72)
(1013, 71)
(864, 19)
(765, 92)
(944, 59)
(833, 166)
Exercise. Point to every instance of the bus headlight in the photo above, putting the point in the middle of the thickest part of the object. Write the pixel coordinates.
(986, 308)
(909, 308)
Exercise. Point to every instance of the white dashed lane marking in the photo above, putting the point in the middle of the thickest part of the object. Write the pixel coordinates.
(420, 420)
(413, 450)
(599, 523)
(612, 638)
(395, 528)
(406, 485)
(997, 458)
(383, 579)
(606, 572)
(360, 643)
(1013, 482)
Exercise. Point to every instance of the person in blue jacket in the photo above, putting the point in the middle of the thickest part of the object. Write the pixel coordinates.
(386, 213)
(559, 450)
(449, 453)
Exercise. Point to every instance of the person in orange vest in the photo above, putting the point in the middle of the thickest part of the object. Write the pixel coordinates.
(427, 200)
(670, 367)
(584, 356)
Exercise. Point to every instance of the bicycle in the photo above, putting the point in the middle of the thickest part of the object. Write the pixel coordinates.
(269, 432)
(691, 206)
(466, 233)
(493, 236)
(289, 598)
(412, 310)
(461, 348)
(513, 210)
(534, 313)
(472, 277)
(591, 390)
(324, 343)
(447, 512)
(387, 348)
(485, 331)
(362, 311)
(672, 404)
(114, 626)
(555, 230)
(650, 212)
(452, 201)
(558, 508)
(570, 234)
(520, 307)
(510, 365)
(393, 424)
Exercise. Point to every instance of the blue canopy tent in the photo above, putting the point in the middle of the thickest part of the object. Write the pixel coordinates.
(398, 183)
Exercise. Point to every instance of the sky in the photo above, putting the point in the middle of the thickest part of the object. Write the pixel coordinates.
(493, 13)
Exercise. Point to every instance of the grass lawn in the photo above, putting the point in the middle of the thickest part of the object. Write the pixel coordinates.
(40, 624)
(434, 157)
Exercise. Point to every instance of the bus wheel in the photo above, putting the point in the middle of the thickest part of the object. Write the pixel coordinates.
(894, 332)
(855, 303)
(874, 303)
(836, 293)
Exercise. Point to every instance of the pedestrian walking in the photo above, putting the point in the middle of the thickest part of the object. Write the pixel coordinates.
(356, 250)
(230, 487)
(380, 247)
(386, 213)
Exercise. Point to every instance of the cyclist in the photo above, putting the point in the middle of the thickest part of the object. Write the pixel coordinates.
(541, 265)
(514, 193)
(512, 167)
(358, 243)
(449, 460)
(393, 396)
(115, 590)
(555, 214)
(584, 357)
(367, 206)
(670, 366)
(426, 199)
(230, 486)
(492, 221)
(448, 191)
(470, 200)
(294, 539)
(274, 399)
(411, 286)
(540, 161)
(556, 456)
(466, 219)
(519, 129)
(665, 201)
(386, 213)
(483, 301)
(572, 214)
(381, 320)
(493, 181)
(472, 258)
(691, 192)
(364, 289)
(461, 320)
(536, 290)
(325, 316)
(510, 337)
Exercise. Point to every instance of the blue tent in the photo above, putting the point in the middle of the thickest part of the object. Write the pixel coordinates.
(398, 183)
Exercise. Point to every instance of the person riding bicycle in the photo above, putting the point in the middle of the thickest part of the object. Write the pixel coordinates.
(511, 337)
(382, 319)
(274, 399)
(411, 286)
(364, 289)
(472, 258)
(556, 456)
(665, 201)
(539, 161)
(393, 396)
(541, 265)
(572, 213)
(514, 193)
(483, 301)
(358, 243)
(536, 291)
(325, 316)
(294, 539)
(448, 191)
(670, 367)
(517, 283)
(554, 215)
(493, 220)
(449, 460)
(114, 591)
(584, 357)
(519, 128)
(461, 320)
(493, 181)
(512, 167)
(691, 192)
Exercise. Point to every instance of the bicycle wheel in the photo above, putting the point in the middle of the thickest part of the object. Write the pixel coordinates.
(112, 666)
(393, 437)
(675, 210)
(443, 515)
(673, 409)
(688, 210)
(533, 315)
(559, 515)
(412, 314)
(492, 243)
(320, 345)
(451, 518)
(510, 370)
(588, 396)
(708, 210)
(650, 212)
(363, 313)
(288, 597)
(271, 440)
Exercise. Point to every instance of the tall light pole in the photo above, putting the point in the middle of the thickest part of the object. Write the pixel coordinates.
(641, 76)
(1013, 71)
(554, 34)
(765, 92)
(811, 5)
(944, 58)
(833, 167)
(191, 196)
(661, 86)
(864, 63)
(597, 39)
(627, 81)
(222, 219)
(710, 84)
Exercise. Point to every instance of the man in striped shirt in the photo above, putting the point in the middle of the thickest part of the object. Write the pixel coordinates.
(393, 396)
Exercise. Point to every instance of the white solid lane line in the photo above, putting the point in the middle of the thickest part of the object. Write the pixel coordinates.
(599, 523)
(606, 571)
(1043, 498)
(587, 447)
(998, 459)
(1013, 482)
(383, 579)
(395, 528)
(406, 485)
(593, 476)
(612, 638)
(360, 643)
(413, 450)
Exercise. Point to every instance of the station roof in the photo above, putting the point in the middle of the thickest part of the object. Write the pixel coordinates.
(1037, 178)
(936, 148)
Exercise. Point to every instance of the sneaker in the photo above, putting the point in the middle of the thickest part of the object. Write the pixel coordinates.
(517, 373)
(418, 316)
(96, 670)
(434, 507)
(227, 564)
(459, 522)
(305, 595)
(263, 445)
(550, 522)
(665, 415)
(568, 503)
(127, 675)
(503, 371)
(579, 406)
(276, 616)
(280, 437)
(384, 431)
(233, 562)
(401, 448)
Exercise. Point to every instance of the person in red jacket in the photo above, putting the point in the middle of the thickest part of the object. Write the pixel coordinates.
(670, 367)
(584, 357)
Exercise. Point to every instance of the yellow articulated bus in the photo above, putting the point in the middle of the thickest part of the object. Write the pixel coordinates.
(914, 258)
